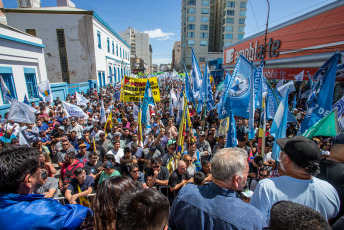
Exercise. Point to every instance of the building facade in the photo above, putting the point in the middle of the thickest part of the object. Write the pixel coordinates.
(209, 25)
(140, 47)
(80, 45)
(176, 53)
(22, 64)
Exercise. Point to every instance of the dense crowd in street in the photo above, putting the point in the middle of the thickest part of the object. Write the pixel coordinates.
(111, 176)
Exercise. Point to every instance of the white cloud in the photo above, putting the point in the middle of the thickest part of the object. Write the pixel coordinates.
(157, 33)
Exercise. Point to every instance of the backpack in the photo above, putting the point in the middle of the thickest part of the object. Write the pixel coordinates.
(69, 175)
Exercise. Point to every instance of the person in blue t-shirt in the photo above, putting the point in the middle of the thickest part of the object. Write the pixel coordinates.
(7, 136)
(41, 125)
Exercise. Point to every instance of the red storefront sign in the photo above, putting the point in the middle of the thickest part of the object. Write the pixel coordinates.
(287, 73)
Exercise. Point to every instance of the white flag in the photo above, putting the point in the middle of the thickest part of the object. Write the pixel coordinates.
(22, 140)
(45, 91)
(5, 92)
(21, 112)
(80, 100)
(73, 110)
(340, 106)
(136, 112)
(283, 89)
(102, 113)
(280, 83)
(299, 77)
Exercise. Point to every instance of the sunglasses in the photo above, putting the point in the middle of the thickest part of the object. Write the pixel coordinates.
(135, 171)
(94, 158)
(262, 175)
(155, 167)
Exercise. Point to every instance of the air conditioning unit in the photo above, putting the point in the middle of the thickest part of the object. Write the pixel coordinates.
(29, 3)
(65, 3)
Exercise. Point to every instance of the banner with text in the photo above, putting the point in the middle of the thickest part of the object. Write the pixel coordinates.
(134, 87)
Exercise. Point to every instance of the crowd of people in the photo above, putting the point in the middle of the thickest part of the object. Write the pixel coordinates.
(114, 177)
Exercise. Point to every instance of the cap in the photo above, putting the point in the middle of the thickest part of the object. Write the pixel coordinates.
(153, 149)
(82, 145)
(202, 133)
(117, 134)
(41, 131)
(339, 139)
(300, 149)
(170, 142)
(50, 122)
(62, 128)
(247, 193)
(155, 125)
(108, 165)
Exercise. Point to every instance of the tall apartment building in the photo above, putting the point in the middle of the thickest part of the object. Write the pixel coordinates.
(176, 55)
(209, 25)
(140, 47)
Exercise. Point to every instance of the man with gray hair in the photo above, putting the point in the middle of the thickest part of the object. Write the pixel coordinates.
(217, 205)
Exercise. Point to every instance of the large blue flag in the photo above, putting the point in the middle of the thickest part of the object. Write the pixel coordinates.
(322, 102)
(196, 76)
(206, 92)
(231, 140)
(147, 100)
(5, 92)
(340, 106)
(279, 125)
(237, 95)
(189, 93)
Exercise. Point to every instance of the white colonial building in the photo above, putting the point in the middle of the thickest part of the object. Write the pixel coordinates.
(80, 45)
(22, 64)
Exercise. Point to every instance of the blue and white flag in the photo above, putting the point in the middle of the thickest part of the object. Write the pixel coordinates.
(80, 100)
(73, 110)
(294, 103)
(26, 101)
(231, 140)
(322, 70)
(147, 100)
(196, 76)
(283, 89)
(299, 76)
(279, 125)
(102, 113)
(188, 90)
(5, 92)
(237, 95)
(280, 83)
(45, 91)
(21, 112)
(206, 92)
(321, 105)
(22, 140)
(340, 106)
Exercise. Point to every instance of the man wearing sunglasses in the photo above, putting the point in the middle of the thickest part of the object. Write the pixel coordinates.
(92, 167)
(263, 173)
(157, 175)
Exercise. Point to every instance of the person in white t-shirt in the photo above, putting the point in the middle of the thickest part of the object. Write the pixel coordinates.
(116, 151)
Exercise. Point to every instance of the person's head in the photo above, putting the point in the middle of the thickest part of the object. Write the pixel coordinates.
(192, 147)
(127, 152)
(241, 142)
(117, 136)
(287, 215)
(171, 148)
(125, 132)
(73, 122)
(212, 130)
(69, 158)
(133, 204)
(187, 159)
(93, 158)
(109, 167)
(106, 200)
(299, 154)
(152, 149)
(102, 137)
(229, 168)
(15, 141)
(181, 167)
(156, 163)
(264, 173)
(80, 174)
(116, 145)
(337, 148)
(210, 136)
(19, 169)
(82, 149)
(44, 176)
(135, 137)
(65, 145)
(96, 128)
(201, 136)
(206, 166)
(134, 171)
(258, 161)
(73, 134)
(268, 146)
(199, 178)
(222, 140)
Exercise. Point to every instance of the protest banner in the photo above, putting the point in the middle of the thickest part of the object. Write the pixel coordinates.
(134, 87)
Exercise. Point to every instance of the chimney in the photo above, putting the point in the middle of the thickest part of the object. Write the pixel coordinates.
(65, 3)
(29, 3)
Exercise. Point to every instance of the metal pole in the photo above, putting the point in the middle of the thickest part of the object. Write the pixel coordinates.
(266, 29)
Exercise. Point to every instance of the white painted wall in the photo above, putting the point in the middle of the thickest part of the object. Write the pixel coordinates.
(18, 55)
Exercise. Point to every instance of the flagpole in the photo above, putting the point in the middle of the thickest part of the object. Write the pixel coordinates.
(262, 150)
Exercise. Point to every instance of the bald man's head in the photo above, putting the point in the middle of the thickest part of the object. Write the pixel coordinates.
(181, 167)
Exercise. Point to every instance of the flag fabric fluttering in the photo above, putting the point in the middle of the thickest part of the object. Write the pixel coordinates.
(135, 112)
(294, 102)
(108, 122)
(223, 127)
(80, 100)
(279, 125)
(140, 121)
(231, 140)
(21, 112)
(22, 140)
(188, 90)
(196, 76)
(45, 91)
(321, 105)
(327, 126)
(182, 127)
(283, 89)
(206, 96)
(340, 106)
(147, 100)
(102, 113)
(299, 76)
(5, 92)
(280, 83)
(73, 110)
(26, 100)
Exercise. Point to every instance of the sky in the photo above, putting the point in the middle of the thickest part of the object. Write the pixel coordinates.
(161, 19)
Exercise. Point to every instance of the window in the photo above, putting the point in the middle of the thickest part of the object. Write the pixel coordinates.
(204, 27)
(114, 74)
(228, 36)
(123, 53)
(204, 19)
(230, 12)
(31, 83)
(241, 21)
(63, 54)
(229, 28)
(228, 43)
(99, 40)
(203, 43)
(230, 20)
(6, 74)
(242, 13)
(240, 36)
(204, 35)
(205, 11)
(117, 49)
(241, 29)
(108, 45)
(201, 59)
(192, 2)
(205, 2)
(191, 10)
(31, 32)
(191, 42)
(231, 4)
(242, 4)
(191, 18)
(110, 73)
(191, 26)
(120, 51)
(191, 34)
